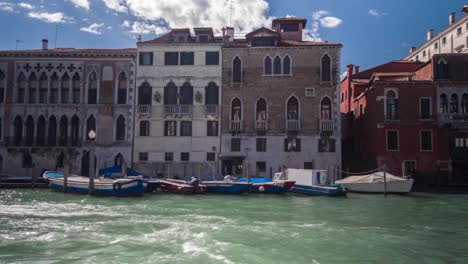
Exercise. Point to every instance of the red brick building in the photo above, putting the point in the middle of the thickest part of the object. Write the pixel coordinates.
(411, 116)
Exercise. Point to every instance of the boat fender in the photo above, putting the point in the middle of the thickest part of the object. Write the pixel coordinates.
(117, 186)
(261, 188)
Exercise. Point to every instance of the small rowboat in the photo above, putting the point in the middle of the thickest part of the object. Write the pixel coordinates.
(269, 186)
(102, 186)
(226, 187)
(180, 187)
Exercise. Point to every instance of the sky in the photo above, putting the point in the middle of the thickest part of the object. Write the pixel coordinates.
(372, 31)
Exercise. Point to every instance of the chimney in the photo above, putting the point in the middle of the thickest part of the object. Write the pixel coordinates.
(230, 33)
(430, 34)
(412, 49)
(356, 69)
(465, 9)
(451, 18)
(350, 70)
(139, 38)
(45, 44)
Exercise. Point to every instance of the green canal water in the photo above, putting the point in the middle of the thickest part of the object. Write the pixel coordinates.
(43, 226)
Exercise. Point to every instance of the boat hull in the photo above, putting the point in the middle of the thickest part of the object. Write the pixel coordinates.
(220, 187)
(378, 187)
(272, 187)
(179, 187)
(127, 188)
(319, 190)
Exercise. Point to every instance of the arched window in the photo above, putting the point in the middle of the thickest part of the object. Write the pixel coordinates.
(212, 94)
(170, 94)
(236, 110)
(33, 83)
(18, 136)
(41, 131)
(63, 140)
(2, 87)
(43, 85)
(54, 88)
(76, 88)
(454, 103)
(267, 67)
(391, 106)
(75, 130)
(286, 65)
(52, 133)
(186, 94)
(118, 160)
(326, 68)
(29, 131)
(65, 89)
(292, 108)
(90, 125)
(464, 104)
(325, 109)
(443, 104)
(122, 89)
(237, 70)
(261, 109)
(21, 88)
(144, 94)
(277, 65)
(120, 129)
(92, 88)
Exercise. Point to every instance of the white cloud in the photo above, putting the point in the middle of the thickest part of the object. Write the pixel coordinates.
(81, 3)
(7, 7)
(93, 28)
(126, 24)
(143, 28)
(26, 5)
(116, 5)
(376, 13)
(320, 18)
(50, 17)
(330, 22)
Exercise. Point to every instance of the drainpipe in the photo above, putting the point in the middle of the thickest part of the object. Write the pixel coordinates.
(134, 110)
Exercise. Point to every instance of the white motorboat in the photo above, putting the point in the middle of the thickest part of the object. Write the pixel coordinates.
(374, 183)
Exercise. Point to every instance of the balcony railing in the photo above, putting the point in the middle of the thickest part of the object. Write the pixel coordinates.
(142, 109)
(453, 118)
(292, 125)
(261, 125)
(235, 125)
(177, 109)
(327, 125)
(211, 109)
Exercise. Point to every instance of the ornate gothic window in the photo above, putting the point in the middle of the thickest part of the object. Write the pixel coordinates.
(76, 88)
(122, 89)
(236, 110)
(65, 89)
(443, 104)
(454, 103)
(43, 85)
(41, 131)
(52, 133)
(33, 85)
(120, 129)
(286, 65)
(92, 88)
(326, 68)
(325, 109)
(267, 66)
(237, 70)
(21, 88)
(54, 89)
(277, 66)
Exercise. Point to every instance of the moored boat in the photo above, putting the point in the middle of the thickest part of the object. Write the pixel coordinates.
(374, 183)
(122, 172)
(102, 186)
(226, 187)
(180, 187)
(269, 186)
(311, 182)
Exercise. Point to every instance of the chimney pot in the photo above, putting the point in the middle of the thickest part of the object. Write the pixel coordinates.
(350, 69)
(45, 44)
(412, 49)
(465, 9)
(230, 33)
(356, 69)
(452, 18)
(430, 34)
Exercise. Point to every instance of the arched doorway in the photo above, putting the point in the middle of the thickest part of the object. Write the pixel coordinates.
(119, 159)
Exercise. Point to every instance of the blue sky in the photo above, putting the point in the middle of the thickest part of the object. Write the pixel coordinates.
(372, 31)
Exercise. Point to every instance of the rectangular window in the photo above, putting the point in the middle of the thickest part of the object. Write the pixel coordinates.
(425, 108)
(327, 145)
(235, 144)
(170, 128)
(436, 45)
(121, 96)
(212, 58)
(2, 92)
(184, 156)
(308, 165)
(261, 166)
(361, 109)
(426, 140)
(186, 128)
(186, 58)
(143, 156)
(203, 38)
(171, 58)
(212, 128)
(292, 145)
(146, 58)
(459, 31)
(210, 156)
(169, 156)
(444, 40)
(392, 140)
(310, 92)
(261, 144)
(342, 97)
(144, 128)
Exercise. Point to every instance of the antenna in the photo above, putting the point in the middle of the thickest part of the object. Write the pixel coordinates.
(56, 33)
(230, 12)
(17, 43)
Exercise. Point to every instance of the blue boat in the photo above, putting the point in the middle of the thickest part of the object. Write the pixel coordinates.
(115, 172)
(226, 187)
(312, 182)
(269, 186)
(102, 186)
(319, 190)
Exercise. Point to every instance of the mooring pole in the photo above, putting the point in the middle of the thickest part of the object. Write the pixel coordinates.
(92, 165)
(65, 176)
(248, 175)
(385, 179)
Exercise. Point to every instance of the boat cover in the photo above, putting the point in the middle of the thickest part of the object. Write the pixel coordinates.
(118, 169)
(375, 177)
(256, 180)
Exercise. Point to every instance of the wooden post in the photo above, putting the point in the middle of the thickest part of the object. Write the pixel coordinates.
(385, 179)
(248, 175)
(91, 170)
(33, 178)
(65, 176)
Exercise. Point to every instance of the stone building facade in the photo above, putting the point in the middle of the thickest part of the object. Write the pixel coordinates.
(280, 104)
(51, 98)
(178, 104)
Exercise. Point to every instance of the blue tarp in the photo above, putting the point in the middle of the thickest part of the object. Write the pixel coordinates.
(118, 169)
(256, 180)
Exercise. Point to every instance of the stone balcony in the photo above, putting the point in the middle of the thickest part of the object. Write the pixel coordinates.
(292, 125)
(327, 125)
(235, 125)
(261, 125)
